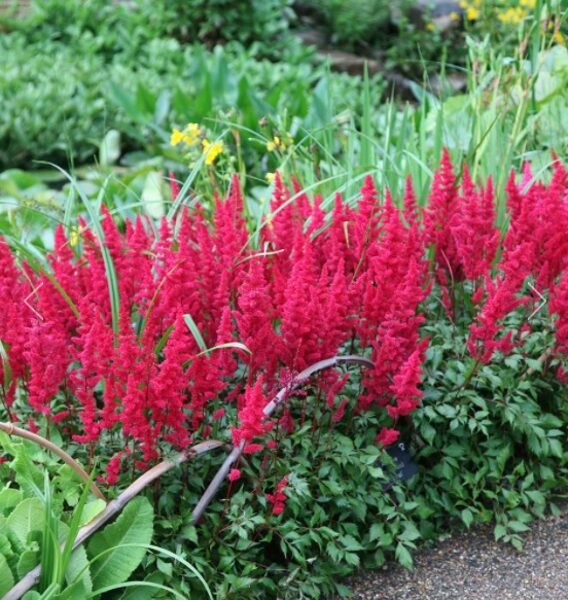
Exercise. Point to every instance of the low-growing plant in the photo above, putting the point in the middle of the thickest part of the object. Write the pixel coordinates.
(164, 334)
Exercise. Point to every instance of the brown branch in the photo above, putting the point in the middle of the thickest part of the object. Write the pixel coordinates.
(11, 429)
(280, 397)
(115, 506)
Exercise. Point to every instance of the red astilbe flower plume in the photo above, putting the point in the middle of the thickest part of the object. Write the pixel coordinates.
(405, 386)
(168, 387)
(48, 359)
(367, 220)
(475, 234)
(254, 319)
(397, 338)
(387, 437)
(17, 307)
(278, 499)
(439, 217)
(230, 228)
(251, 415)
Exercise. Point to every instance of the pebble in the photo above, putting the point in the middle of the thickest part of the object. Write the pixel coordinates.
(472, 566)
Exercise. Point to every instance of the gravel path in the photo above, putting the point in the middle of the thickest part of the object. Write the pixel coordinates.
(472, 566)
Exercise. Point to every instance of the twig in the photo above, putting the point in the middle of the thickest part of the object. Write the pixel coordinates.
(115, 506)
(280, 397)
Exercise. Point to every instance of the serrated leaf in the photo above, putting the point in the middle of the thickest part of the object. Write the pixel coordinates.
(133, 526)
(403, 556)
(79, 567)
(28, 516)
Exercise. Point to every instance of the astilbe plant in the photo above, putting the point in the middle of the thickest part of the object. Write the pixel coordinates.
(313, 286)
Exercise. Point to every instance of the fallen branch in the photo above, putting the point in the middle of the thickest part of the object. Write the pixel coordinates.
(115, 506)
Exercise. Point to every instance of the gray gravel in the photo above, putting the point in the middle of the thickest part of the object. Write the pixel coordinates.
(472, 566)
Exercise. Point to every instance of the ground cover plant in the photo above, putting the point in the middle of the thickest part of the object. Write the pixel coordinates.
(133, 341)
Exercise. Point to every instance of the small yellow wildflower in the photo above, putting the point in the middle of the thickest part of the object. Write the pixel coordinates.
(189, 136)
(512, 16)
(430, 26)
(274, 143)
(211, 151)
(528, 3)
(559, 38)
(269, 177)
(472, 13)
(176, 137)
(74, 235)
(454, 16)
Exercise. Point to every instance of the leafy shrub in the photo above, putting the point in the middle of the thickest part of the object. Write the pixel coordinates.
(160, 339)
(354, 23)
(87, 97)
(128, 26)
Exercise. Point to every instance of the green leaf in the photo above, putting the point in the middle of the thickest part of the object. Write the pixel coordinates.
(111, 565)
(195, 332)
(78, 567)
(403, 556)
(152, 197)
(6, 577)
(27, 561)
(110, 148)
(517, 526)
(28, 516)
(467, 517)
(91, 510)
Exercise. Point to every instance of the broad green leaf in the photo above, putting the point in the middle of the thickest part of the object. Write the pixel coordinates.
(91, 510)
(110, 148)
(28, 516)
(9, 498)
(6, 577)
(152, 197)
(27, 561)
(79, 567)
(133, 526)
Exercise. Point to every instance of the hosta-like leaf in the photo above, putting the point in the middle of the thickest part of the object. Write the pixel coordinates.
(76, 566)
(28, 516)
(133, 526)
(6, 577)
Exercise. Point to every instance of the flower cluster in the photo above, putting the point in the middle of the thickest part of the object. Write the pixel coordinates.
(314, 285)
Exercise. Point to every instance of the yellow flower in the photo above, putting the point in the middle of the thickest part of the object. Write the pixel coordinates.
(269, 177)
(430, 26)
(472, 13)
(74, 235)
(512, 16)
(274, 143)
(176, 137)
(559, 38)
(211, 151)
(528, 3)
(454, 16)
(189, 136)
